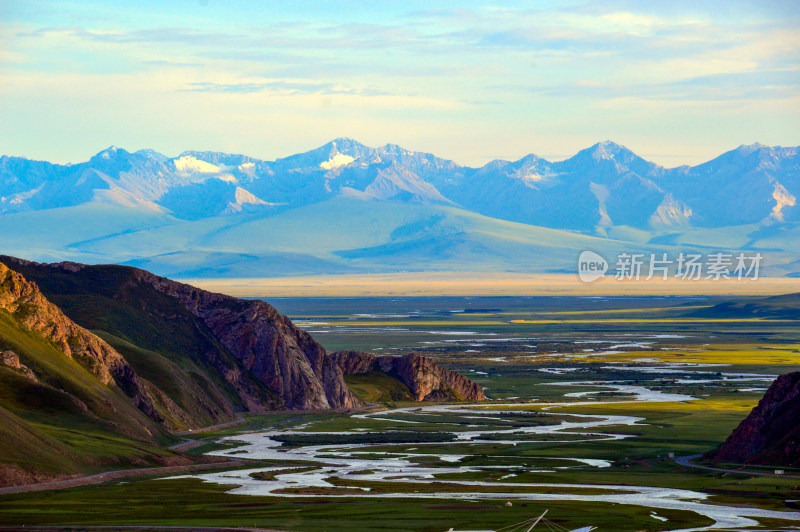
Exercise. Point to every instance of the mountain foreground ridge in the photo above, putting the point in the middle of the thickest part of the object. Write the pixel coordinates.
(119, 354)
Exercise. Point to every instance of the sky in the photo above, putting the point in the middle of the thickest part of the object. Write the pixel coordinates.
(677, 82)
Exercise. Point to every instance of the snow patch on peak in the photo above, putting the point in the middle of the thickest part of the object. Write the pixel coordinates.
(241, 200)
(189, 165)
(246, 166)
(606, 150)
(531, 175)
(336, 161)
(108, 153)
(783, 198)
(243, 197)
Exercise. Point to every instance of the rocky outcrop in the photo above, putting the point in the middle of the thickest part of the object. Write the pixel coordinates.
(430, 381)
(355, 362)
(770, 434)
(286, 359)
(427, 380)
(26, 303)
(11, 360)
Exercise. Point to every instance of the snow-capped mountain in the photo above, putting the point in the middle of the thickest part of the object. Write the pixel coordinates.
(745, 198)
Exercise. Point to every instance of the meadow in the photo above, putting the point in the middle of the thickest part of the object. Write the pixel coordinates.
(589, 401)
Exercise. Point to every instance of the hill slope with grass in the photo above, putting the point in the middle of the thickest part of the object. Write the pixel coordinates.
(163, 357)
(233, 354)
(786, 307)
(68, 401)
(770, 435)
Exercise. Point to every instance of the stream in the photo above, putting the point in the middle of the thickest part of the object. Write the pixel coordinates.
(355, 462)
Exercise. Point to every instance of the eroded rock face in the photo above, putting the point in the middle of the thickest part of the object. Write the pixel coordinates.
(427, 380)
(11, 360)
(23, 300)
(269, 363)
(770, 434)
(286, 359)
(354, 362)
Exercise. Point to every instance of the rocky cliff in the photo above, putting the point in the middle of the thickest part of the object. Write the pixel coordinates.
(286, 359)
(127, 357)
(244, 353)
(770, 434)
(427, 380)
(25, 303)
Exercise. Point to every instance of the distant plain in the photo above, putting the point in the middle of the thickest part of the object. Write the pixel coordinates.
(484, 284)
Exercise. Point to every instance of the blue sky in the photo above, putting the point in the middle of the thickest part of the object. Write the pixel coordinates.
(677, 82)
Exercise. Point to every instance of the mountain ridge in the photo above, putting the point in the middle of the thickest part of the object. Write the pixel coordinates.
(24, 301)
(161, 357)
(290, 368)
(154, 206)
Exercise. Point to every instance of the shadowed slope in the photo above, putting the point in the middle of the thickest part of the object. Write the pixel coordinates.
(770, 434)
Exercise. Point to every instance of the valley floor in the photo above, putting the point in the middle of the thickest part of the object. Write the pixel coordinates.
(592, 400)
(486, 284)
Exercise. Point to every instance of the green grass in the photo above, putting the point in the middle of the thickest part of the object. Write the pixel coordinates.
(32, 449)
(200, 399)
(193, 503)
(378, 387)
(68, 421)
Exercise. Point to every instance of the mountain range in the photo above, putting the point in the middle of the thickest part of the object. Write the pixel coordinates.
(346, 207)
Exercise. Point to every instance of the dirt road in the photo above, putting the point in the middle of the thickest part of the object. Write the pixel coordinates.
(115, 475)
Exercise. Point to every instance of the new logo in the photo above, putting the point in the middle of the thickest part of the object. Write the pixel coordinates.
(591, 266)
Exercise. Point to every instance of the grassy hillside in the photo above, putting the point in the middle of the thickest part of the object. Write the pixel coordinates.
(66, 420)
(785, 307)
(160, 338)
(28, 452)
(190, 388)
(378, 387)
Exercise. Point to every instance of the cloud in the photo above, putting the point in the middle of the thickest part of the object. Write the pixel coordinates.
(152, 35)
(168, 63)
(446, 37)
(757, 84)
(283, 87)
